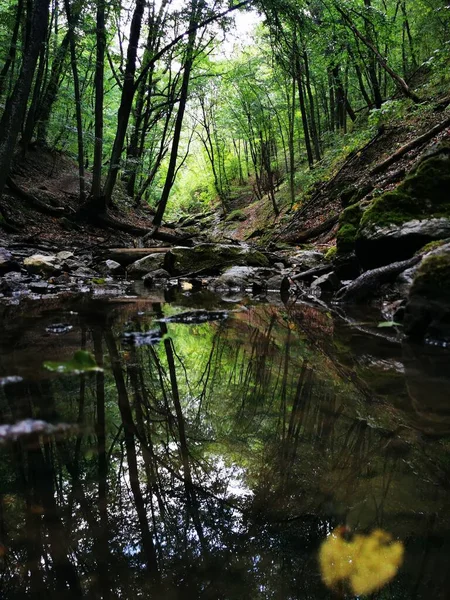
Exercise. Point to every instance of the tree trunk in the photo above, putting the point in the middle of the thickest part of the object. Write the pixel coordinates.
(15, 108)
(126, 101)
(79, 118)
(401, 83)
(12, 47)
(170, 177)
(99, 92)
(301, 97)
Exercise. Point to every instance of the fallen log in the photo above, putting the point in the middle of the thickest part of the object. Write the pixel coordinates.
(42, 207)
(415, 143)
(369, 281)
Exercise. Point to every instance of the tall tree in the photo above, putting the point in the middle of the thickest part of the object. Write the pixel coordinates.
(16, 104)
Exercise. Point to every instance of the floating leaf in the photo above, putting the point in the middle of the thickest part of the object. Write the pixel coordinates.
(365, 563)
(389, 324)
(82, 362)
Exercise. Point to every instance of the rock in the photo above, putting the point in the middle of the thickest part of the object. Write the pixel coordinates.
(144, 265)
(41, 264)
(346, 266)
(242, 278)
(157, 278)
(329, 282)
(64, 255)
(84, 273)
(348, 229)
(110, 267)
(7, 263)
(13, 283)
(211, 258)
(274, 283)
(307, 259)
(401, 221)
(377, 246)
(71, 264)
(427, 312)
(39, 287)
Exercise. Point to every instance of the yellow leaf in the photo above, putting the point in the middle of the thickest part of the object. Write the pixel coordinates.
(365, 562)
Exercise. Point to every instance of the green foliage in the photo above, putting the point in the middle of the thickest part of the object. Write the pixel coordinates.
(82, 362)
(390, 111)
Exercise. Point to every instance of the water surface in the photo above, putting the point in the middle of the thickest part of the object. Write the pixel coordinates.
(211, 459)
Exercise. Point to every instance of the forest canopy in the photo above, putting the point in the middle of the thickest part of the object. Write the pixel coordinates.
(153, 107)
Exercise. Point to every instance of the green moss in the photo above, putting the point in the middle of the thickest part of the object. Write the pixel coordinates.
(433, 277)
(236, 215)
(432, 246)
(348, 228)
(331, 253)
(423, 194)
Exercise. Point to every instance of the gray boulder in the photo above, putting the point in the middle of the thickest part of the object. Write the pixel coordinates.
(144, 265)
(110, 267)
(377, 246)
(307, 259)
(329, 282)
(242, 278)
(156, 278)
(210, 258)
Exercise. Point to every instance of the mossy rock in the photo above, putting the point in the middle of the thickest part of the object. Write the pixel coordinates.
(427, 313)
(236, 215)
(348, 228)
(423, 194)
(353, 194)
(330, 254)
(211, 258)
(400, 222)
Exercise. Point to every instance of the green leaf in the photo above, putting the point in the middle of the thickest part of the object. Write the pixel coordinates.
(389, 324)
(82, 362)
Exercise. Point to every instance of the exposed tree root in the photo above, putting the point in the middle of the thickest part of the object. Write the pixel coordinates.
(42, 207)
(366, 283)
(311, 273)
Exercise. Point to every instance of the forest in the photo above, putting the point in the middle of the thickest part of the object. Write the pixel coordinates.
(224, 299)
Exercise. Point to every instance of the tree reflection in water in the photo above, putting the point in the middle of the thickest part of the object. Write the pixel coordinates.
(212, 464)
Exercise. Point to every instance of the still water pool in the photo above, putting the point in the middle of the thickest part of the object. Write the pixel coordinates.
(215, 452)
